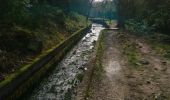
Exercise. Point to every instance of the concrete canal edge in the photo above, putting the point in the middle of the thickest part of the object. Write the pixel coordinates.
(21, 81)
(84, 88)
(97, 68)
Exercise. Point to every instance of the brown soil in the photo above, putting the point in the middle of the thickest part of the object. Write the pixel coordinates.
(121, 81)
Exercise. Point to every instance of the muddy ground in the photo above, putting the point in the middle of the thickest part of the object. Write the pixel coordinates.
(132, 70)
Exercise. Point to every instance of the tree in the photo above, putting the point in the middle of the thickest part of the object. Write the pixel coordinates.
(12, 11)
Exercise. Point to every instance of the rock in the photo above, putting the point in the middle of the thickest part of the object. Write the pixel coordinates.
(85, 68)
(63, 68)
(90, 31)
(144, 62)
(159, 96)
(94, 42)
(148, 82)
(155, 68)
(139, 64)
(74, 52)
(164, 62)
(81, 67)
(140, 46)
(73, 63)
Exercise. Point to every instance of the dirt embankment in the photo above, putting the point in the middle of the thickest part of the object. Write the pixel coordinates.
(131, 70)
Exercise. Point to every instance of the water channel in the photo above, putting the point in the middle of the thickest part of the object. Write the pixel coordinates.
(59, 85)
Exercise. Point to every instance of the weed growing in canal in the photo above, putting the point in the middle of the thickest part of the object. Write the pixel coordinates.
(80, 77)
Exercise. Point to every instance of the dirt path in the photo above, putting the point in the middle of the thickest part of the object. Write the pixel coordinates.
(147, 79)
(112, 84)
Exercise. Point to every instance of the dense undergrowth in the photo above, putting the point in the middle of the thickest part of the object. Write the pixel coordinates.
(31, 31)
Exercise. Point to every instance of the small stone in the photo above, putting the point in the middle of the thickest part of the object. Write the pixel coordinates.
(74, 52)
(140, 46)
(81, 68)
(159, 96)
(148, 82)
(141, 73)
(63, 68)
(85, 68)
(155, 68)
(164, 62)
(144, 62)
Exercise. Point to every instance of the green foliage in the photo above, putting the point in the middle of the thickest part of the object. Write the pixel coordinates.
(140, 27)
(74, 21)
(29, 27)
(154, 13)
(105, 9)
(13, 11)
(42, 15)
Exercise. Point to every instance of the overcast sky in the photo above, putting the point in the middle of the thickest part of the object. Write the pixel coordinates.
(98, 0)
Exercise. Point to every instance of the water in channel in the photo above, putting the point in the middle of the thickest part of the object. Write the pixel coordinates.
(59, 85)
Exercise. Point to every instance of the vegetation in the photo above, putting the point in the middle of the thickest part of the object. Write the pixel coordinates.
(105, 9)
(145, 15)
(149, 19)
(130, 50)
(30, 27)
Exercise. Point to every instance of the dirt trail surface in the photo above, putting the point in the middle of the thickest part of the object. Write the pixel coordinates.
(112, 84)
(148, 78)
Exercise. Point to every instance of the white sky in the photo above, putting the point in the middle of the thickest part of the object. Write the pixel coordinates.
(98, 0)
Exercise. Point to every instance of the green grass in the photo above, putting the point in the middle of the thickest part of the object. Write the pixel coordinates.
(132, 54)
(130, 50)
(162, 49)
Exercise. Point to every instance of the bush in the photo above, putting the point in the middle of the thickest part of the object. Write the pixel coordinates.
(140, 27)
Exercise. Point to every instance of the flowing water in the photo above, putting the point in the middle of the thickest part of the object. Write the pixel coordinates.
(59, 85)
